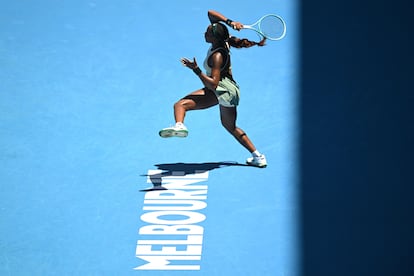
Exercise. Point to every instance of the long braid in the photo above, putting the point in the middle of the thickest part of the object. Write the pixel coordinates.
(244, 43)
(220, 31)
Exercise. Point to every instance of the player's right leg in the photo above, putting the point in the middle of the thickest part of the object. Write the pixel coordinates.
(228, 117)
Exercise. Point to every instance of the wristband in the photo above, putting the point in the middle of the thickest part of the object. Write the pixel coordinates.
(228, 22)
(197, 71)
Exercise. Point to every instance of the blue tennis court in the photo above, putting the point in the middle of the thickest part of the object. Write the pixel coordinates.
(87, 185)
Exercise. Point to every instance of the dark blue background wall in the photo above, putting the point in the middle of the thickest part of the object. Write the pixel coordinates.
(356, 142)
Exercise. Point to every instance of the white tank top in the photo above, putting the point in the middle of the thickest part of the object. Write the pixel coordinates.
(209, 53)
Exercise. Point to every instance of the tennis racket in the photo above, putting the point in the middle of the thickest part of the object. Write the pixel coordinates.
(270, 26)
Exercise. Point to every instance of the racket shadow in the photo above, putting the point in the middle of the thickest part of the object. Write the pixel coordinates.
(181, 169)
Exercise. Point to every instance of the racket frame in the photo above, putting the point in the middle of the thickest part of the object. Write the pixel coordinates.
(256, 27)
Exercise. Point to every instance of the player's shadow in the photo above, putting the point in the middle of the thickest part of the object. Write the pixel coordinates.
(182, 169)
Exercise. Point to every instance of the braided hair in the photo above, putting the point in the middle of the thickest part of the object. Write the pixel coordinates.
(221, 32)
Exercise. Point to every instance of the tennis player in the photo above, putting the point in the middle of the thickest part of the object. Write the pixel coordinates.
(219, 85)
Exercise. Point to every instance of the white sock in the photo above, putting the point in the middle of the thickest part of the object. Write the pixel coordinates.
(179, 124)
(256, 153)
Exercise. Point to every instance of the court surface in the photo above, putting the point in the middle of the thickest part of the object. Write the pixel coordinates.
(85, 87)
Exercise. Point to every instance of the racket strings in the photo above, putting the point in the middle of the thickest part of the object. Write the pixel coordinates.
(272, 27)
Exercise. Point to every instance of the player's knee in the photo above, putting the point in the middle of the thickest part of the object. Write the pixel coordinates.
(180, 104)
(185, 104)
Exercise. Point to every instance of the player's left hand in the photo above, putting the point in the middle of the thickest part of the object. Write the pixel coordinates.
(188, 63)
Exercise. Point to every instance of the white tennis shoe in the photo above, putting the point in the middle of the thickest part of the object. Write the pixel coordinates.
(259, 161)
(179, 130)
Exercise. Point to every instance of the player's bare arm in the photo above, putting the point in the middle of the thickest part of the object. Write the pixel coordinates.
(215, 16)
(210, 82)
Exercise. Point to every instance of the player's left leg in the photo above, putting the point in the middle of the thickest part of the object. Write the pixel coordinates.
(199, 99)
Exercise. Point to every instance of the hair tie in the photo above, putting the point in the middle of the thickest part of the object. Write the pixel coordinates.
(214, 29)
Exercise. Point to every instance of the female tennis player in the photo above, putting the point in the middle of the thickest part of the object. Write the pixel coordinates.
(219, 85)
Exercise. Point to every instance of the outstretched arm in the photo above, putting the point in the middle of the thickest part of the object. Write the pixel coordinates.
(215, 16)
(211, 82)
